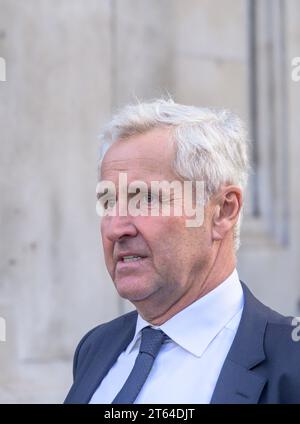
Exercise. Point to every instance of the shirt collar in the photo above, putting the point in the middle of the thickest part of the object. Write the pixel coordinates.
(198, 324)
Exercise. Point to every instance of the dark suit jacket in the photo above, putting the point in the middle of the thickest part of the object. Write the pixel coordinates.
(262, 366)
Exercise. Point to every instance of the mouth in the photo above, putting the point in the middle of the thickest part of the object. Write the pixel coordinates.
(130, 262)
(131, 258)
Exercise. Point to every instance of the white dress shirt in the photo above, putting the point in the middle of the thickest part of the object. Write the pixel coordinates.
(188, 365)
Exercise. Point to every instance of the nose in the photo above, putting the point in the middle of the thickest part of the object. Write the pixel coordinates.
(117, 227)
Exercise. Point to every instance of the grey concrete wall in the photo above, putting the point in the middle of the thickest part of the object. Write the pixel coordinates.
(53, 283)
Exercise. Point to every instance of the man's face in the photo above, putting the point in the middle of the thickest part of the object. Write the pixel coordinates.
(174, 256)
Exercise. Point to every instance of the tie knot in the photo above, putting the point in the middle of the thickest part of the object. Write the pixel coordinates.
(151, 341)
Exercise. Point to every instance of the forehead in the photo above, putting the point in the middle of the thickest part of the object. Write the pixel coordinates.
(144, 156)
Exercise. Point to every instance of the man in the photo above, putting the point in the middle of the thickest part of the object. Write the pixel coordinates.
(198, 335)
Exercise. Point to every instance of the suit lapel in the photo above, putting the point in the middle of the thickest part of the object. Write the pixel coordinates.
(237, 384)
(107, 354)
(238, 381)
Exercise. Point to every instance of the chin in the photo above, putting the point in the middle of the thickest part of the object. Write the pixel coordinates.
(134, 292)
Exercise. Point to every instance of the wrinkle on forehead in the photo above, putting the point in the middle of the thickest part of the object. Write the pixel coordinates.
(152, 152)
(143, 164)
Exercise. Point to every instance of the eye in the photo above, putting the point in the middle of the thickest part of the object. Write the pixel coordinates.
(109, 203)
(106, 203)
(150, 199)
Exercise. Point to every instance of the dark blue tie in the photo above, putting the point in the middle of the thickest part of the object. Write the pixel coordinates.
(150, 344)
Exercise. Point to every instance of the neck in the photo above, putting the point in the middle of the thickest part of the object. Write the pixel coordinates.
(217, 271)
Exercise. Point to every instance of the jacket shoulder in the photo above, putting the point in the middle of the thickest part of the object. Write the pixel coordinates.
(282, 348)
(282, 352)
(93, 338)
(280, 331)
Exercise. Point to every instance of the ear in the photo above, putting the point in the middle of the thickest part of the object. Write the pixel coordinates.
(227, 206)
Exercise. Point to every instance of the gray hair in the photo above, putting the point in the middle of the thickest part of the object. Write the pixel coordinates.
(211, 145)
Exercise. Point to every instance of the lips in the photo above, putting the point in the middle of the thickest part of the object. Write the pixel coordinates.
(129, 257)
(130, 261)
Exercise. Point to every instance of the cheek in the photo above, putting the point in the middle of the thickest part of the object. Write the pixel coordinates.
(165, 237)
(102, 226)
(189, 243)
(107, 246)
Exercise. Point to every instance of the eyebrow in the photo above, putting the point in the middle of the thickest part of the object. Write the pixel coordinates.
(100, 194)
